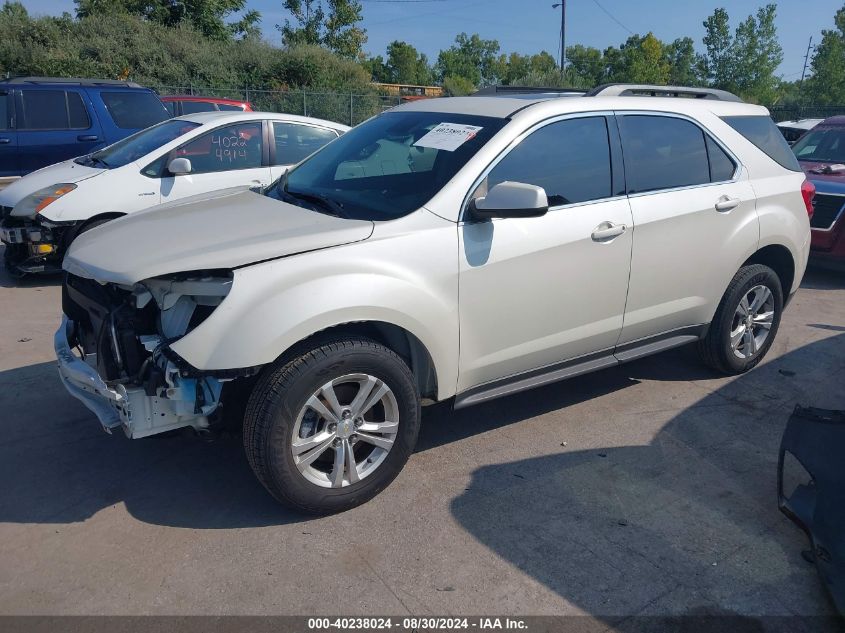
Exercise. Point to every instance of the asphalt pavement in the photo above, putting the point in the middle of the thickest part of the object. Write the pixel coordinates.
(647, 489)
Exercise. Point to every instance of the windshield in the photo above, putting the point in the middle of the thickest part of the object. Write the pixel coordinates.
(388, 166)
(822, 145)
(138, 145)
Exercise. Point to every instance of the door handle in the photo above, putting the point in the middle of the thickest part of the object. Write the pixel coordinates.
(87, 137)
(606, 231)
(726, 203)
(5, 141)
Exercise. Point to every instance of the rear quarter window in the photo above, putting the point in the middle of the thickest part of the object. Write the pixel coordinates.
(763, 132)
(134, 109)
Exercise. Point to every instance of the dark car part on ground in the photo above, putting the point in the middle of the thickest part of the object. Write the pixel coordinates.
(816, 438)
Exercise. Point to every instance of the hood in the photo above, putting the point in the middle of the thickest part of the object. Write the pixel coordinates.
(68, 171)
(816, 172)
(225, 229)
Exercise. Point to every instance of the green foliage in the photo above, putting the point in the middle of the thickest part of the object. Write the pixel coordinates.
(826, 86)
(458, 86)
(337, 29)
(472, 58)
(404, 65)
(512, 68)
(745, 62)
(124, 45)
(682, 62)
(207, 16)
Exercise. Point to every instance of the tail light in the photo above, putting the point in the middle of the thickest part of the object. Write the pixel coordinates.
(808, 190)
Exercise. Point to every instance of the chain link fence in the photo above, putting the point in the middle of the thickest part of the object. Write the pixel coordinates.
(347, 108)
(791, 113)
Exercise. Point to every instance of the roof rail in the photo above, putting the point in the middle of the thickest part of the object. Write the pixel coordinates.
(70, 80)
(646, 90)
(504, 90)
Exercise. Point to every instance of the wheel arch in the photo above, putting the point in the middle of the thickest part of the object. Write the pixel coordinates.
(779, 258)
(84, 225)
(396, 338)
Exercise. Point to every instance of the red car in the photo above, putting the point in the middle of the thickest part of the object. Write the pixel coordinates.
(821, 152)
(178, 105)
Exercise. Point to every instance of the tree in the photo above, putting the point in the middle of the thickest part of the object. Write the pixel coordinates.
(336, 29)
(646, 62)
(826, 85)
(458, 86)
(682, 62)
(472, 58)
(587, 64)
(207, 16)
(746, 61)
(756, 56)
(717, 63)
(407, 66)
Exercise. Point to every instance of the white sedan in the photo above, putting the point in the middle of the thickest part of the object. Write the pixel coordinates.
(194, 154)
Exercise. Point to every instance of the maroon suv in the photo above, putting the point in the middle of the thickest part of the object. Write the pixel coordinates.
(821, 152)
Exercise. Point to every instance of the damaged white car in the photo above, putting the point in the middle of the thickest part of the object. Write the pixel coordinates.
(462, 248)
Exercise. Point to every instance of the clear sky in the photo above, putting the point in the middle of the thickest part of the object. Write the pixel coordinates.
(528, 26)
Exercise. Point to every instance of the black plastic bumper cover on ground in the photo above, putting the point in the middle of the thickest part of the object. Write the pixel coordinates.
(816, 438)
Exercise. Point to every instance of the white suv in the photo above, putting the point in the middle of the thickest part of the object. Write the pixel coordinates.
(462, 248)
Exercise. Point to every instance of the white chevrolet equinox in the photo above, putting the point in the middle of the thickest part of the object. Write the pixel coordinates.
(463, 248)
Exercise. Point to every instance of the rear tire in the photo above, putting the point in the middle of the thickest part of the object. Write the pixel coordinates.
(319, 431)
(746, 321)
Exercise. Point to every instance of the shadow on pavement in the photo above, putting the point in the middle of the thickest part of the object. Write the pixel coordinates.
(687, 524)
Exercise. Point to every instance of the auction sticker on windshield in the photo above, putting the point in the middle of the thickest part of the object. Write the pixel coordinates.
(448, 136)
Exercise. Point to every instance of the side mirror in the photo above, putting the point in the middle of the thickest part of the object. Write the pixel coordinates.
(179, 166)
(510, 200)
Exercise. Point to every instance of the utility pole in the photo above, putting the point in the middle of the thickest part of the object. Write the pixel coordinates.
(806, 57)
(562, 5)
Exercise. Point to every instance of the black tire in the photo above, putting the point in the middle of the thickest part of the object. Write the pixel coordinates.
(93, 224)
(715, 348)
(281, 393)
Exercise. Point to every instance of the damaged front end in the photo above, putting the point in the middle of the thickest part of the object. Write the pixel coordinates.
(123, 369)
(33, 246)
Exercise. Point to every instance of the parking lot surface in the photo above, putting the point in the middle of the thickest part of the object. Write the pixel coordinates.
(647, 489)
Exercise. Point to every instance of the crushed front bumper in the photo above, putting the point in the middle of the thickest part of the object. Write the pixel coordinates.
(130, 407)
(31, 247)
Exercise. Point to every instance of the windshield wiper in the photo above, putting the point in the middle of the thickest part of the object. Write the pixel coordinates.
(327, 204)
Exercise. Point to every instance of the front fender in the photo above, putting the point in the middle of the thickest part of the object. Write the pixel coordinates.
(409, 280)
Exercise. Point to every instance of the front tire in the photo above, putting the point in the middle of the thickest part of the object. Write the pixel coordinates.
(330, 429)
(746, 321)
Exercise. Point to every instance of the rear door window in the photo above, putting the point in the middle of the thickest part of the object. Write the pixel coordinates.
(722, 166)
(4, 111)
(52, 110)
(663, 153)
(569, 159)
(192, 107)
(763, 132)
(294, 141)
(134, 109)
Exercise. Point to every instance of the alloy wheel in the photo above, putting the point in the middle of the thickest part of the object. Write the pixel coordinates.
(752, 322)
(345, 430)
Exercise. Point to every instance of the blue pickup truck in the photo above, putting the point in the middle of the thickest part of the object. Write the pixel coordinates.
(46, 120)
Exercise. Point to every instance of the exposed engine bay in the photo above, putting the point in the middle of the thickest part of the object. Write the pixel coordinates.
(122, 334)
